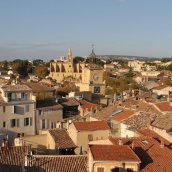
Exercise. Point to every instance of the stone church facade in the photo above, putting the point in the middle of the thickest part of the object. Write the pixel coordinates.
(59, 70)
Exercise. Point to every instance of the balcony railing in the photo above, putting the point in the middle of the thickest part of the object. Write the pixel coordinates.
(10, 99)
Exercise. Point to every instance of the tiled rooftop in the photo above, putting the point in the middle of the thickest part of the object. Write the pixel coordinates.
(113, 153)
(139, 120)
(164, 121)
(160, 87)
(104, 114)
(146, 107)
(62, 139)
(69, 101)
(66, 163)
(153, 157)
(130, 103)
(91, 125)
(47, 104)
(151, 133)
(16, 88)
(164, 106)
(38, 87)
(87, 105)
(123, 116)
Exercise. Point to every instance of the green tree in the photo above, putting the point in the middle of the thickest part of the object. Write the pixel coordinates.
(5, 65)
(37, 62)
(78, 59)
(108, 61)
(130, 74)
(42, 72)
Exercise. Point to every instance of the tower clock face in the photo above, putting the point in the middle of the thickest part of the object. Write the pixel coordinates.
(96, 76)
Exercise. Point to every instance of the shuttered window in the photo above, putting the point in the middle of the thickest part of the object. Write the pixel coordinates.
(27, 108)
(14, 123)
(14, 108)
(100, 169)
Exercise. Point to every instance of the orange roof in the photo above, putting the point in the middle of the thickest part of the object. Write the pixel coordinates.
(152, 156)
(160, 87)
(91, 125)
(87, 105)
(165, 71)
(113, 153)
(123, 115)
(164, 106)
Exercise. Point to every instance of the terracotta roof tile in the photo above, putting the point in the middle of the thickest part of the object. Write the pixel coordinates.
(160, 87)
(91, 125)
(164, 121)
(38, 87)
(69, 101)
(10, 88)
(123, 116)
(164, 106)
(113, 153)
(64, 163)
(62, 139)
(139, 120)
(87, 105)
(153, 157)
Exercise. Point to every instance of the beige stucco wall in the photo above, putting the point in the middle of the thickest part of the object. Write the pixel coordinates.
(55, 116)
(20, 114)
(80, 138)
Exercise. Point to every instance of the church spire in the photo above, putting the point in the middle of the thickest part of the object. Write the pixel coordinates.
(70, 52)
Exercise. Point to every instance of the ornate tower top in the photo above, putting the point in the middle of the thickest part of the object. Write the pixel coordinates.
(92, 60)
(70, 56)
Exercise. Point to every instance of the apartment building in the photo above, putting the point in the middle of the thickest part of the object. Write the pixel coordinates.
(17, 106)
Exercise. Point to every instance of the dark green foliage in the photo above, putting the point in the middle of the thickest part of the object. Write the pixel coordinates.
(108, 61)
(165, 60)
(37, 62)
(78, 59)
(149, 63)
(24, 67)
(130, 74)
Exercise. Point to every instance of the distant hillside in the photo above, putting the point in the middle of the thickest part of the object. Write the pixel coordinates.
(128, 58)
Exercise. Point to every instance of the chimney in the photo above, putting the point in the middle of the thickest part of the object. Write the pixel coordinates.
(25, 160)
(120, 142)
(6, 143)
(162, 144)
(132, 145)
(3, 142)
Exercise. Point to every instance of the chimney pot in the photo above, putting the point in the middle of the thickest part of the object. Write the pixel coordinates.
(120, 142)
(162, 144)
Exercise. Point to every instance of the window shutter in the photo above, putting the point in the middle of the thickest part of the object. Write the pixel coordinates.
(41, 124)
(37, 112)
(15, 108)
(11, 123)
(54, 125)
(46, 123)
(31, 121)
(25, 96)
(42, 112)
(12, 109)
(13, 96)
(27, 108)
(17, 122)
(24, 121)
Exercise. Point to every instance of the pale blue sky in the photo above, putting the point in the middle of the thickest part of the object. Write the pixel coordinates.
(44, 29)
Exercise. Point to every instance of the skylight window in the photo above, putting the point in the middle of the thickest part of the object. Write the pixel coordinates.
(144, 142)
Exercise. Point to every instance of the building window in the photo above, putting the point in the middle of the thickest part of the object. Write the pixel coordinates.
(27, 121)
(69, 65)
(14, 123)
(40, 112)
(24, 96)
(53, 125)
(43, 124)
(27, 108)
(4, 124)
(90, 137)
(4, 108)
(100, 169)
(14, 109)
